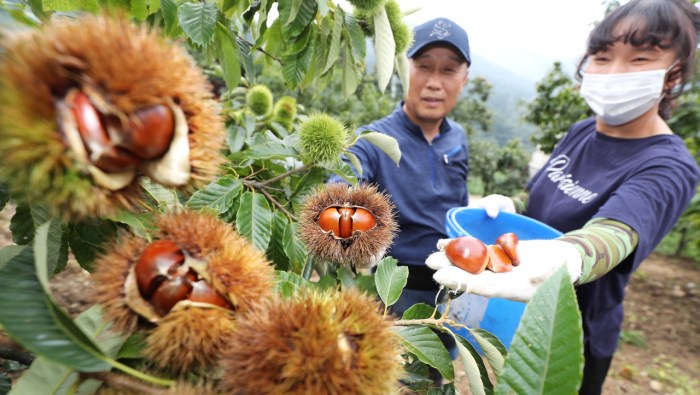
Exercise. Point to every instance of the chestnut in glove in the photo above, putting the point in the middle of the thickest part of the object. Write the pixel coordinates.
(538, 260)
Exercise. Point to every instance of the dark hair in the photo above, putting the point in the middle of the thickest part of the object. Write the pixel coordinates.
(657, 23)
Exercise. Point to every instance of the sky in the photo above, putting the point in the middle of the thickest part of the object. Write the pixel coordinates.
(523, 36)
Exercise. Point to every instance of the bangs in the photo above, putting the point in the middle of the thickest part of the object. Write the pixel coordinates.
(649, 25)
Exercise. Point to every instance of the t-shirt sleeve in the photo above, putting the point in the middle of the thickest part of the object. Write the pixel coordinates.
(651, 202)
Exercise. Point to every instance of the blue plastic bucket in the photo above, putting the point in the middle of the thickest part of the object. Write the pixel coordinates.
(497, 316)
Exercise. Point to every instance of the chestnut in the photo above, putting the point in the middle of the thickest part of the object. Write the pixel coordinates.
(203, 292)
(468, 253)
(342, 221)
(509, 243)
(148, 134)
(498, 261)
(159, 261)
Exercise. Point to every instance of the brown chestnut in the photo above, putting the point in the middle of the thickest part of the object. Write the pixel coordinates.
(169, 293)
(203, 292)
(159, 261)
(468, 253)
(498, 261)
(509, 243)
(342, 221)
(149, 132)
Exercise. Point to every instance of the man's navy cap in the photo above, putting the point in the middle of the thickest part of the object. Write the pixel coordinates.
(440, 30)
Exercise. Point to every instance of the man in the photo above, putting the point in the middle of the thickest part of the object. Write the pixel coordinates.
(432, 174)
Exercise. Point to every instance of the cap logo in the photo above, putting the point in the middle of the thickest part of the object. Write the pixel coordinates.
(441, 29)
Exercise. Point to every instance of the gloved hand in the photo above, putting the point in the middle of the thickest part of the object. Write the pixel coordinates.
(539, 259)
(493, 204)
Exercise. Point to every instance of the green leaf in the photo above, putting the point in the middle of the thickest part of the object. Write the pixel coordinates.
(295, 15)
(426, 345)
(477, 375)
(235, 137)
(492, 348)
(418, 311)
(390, 280)
(384, 48)
(47, 246)
(350, 79)
(141, 224)
(164, 198)
(355, 163)
(402, 69)
(254, 219)
(71, 5)
(271, 150)
(88, 238)
(275, 251)
(288, 283)
(546, 355)
(334, 44)
(45, 376)
(295, 66)
(294, 247)
(227, 52)
(168, 8)
(355, 40)
(22, 225)
(198, 21)
(4, 195)
(29, 315)
(219, 195)
(385, 143)
(343, 170)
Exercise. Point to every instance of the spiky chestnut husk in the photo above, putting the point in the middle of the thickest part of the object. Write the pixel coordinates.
(363, 249)
(189, 339)
(235, 269)
(403, 35)
(122, 66)
(259, 100)
(314, 343)
(285, 112)
(322, 138)
(368, 6)
(179, 388)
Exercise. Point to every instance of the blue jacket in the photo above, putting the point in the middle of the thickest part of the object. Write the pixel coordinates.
(430, 179)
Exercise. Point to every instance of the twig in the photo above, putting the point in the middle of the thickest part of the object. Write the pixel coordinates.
(278, 60)
(261, 187)
(284, 175)
(116, 380)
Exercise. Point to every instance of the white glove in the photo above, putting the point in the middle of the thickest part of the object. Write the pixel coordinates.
(539, 259)
(493, 204)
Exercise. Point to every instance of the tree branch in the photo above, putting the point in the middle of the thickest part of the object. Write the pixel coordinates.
(284, 175)
(259, 186)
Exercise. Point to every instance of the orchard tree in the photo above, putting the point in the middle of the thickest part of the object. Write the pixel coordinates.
(138, 139)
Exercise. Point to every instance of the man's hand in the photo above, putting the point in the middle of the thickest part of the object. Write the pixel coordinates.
(493, 204)
(539, 259)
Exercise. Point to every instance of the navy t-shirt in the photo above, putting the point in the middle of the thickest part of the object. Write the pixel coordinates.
(431, 178)
(645, 183)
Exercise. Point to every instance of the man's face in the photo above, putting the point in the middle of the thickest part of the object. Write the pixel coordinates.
(437, 76)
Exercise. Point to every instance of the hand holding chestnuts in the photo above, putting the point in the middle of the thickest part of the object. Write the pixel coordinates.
(472, 255)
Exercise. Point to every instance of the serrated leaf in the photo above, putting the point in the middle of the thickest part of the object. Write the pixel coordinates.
(334, 43)
(70, 5)
(198, 21)
(390, 280)
(141, 224)
(254, 219)
(295, 66)
(294, 247)
(288, 283)
(355, 163)
(386, 143)
(87, 239)
(477, 375)
(418, 311)
(47, 377)
(29, 315)
(426, 345)
(168, 8)
(343, 170)
(271, 150)
(492, 348)
(47, 246)
(350, 79)
(219, 195)
(355, 39)
(295, 15)
(227, 52)
(235, 137)
(384, 48)
(275, 251)
(546, 355)
(164, 198)
(402, 70)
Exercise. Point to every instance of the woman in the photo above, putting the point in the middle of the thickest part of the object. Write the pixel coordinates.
(615, 184)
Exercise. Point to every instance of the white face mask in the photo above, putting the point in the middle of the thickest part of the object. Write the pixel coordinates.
(621, 98)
